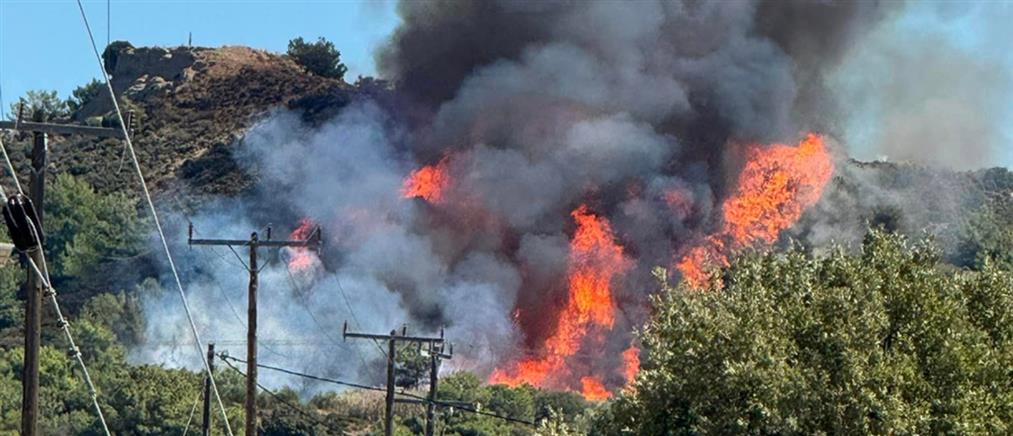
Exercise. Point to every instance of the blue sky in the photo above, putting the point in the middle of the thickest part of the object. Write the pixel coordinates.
(43, 44)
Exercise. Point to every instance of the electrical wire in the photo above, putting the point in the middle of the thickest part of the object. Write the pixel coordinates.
(154, 214)
(200, 394)
(10, 167)
(247, 267)
(70, 339)
(285, 402)
(51, 293)
(298, 291)
(226, 357)
(351, 312)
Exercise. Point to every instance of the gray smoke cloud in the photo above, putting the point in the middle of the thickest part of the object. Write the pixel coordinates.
(917, 95)
(535, 108)
(378, 271)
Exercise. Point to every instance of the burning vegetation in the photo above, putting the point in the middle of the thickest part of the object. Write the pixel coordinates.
(595, 260)
(302, 259)
(521, 177)
(518, 188)
(427, 183)
(775, 187)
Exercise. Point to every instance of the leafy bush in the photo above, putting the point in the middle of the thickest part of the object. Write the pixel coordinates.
(39, 106)
(85, 229)
(320, 58)
(882, 342)
(83, 94)
(11, 313)
(412, 368)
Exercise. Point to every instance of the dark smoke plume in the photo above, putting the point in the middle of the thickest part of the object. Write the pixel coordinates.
(536, 108)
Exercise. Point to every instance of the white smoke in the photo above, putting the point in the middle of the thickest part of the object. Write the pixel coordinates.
(345, 175)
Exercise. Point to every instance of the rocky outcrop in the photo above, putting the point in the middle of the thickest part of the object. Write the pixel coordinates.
(140, 73)
(191, 103)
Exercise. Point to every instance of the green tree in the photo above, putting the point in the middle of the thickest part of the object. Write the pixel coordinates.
(11, 309)
(40, 106)
(412, 367)
(320, 57)
(86, 231)
(882, 342)
(83, 94)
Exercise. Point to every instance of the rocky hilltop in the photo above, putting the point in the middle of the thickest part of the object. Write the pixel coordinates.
(191, 105)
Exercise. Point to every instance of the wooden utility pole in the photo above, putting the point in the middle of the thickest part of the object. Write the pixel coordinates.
(34, 286)
(435, 354)
(392, 339)
(388, 414)
(251, 312)
(206, 416)
(33, 298)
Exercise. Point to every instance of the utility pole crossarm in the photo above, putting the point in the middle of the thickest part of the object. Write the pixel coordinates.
(435, 354)
(395, 337)
(34, 286)
(254, 243)
(62, 129)
(441, 403)
(246, 242)
(313, 241)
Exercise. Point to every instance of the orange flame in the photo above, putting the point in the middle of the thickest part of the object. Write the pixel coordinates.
(301, 258)
(595, 259)
(428, 183)
(592, 389)
(631, 363)
(777, 184)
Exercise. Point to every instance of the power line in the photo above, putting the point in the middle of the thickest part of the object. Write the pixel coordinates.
(10, 167)
(196, 401)
(283, 401)
(226, 357)
(75, 351)
(51, 292)
(154, 214)
(298, 291)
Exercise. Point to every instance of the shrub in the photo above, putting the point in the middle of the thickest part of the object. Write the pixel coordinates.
(83, 94)
(320, 58)
(884, 342)
(39, 106)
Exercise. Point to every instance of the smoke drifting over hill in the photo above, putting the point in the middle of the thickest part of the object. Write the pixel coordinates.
(542, 159)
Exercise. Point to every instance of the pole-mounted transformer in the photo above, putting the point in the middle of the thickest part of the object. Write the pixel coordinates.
(22, 223)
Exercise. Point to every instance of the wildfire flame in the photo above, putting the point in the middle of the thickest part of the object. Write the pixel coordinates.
(302, 258)
(592, 389)
(428, 183)
(631, 363)
(776, 185)
(595, 260)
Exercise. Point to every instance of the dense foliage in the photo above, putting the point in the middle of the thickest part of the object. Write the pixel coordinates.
(84, 94)
(88, 233)
(39, 106)
(885, 341)
(320, 57)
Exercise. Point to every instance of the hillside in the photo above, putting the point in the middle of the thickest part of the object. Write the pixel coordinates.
(195, 104)
(192, 103)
